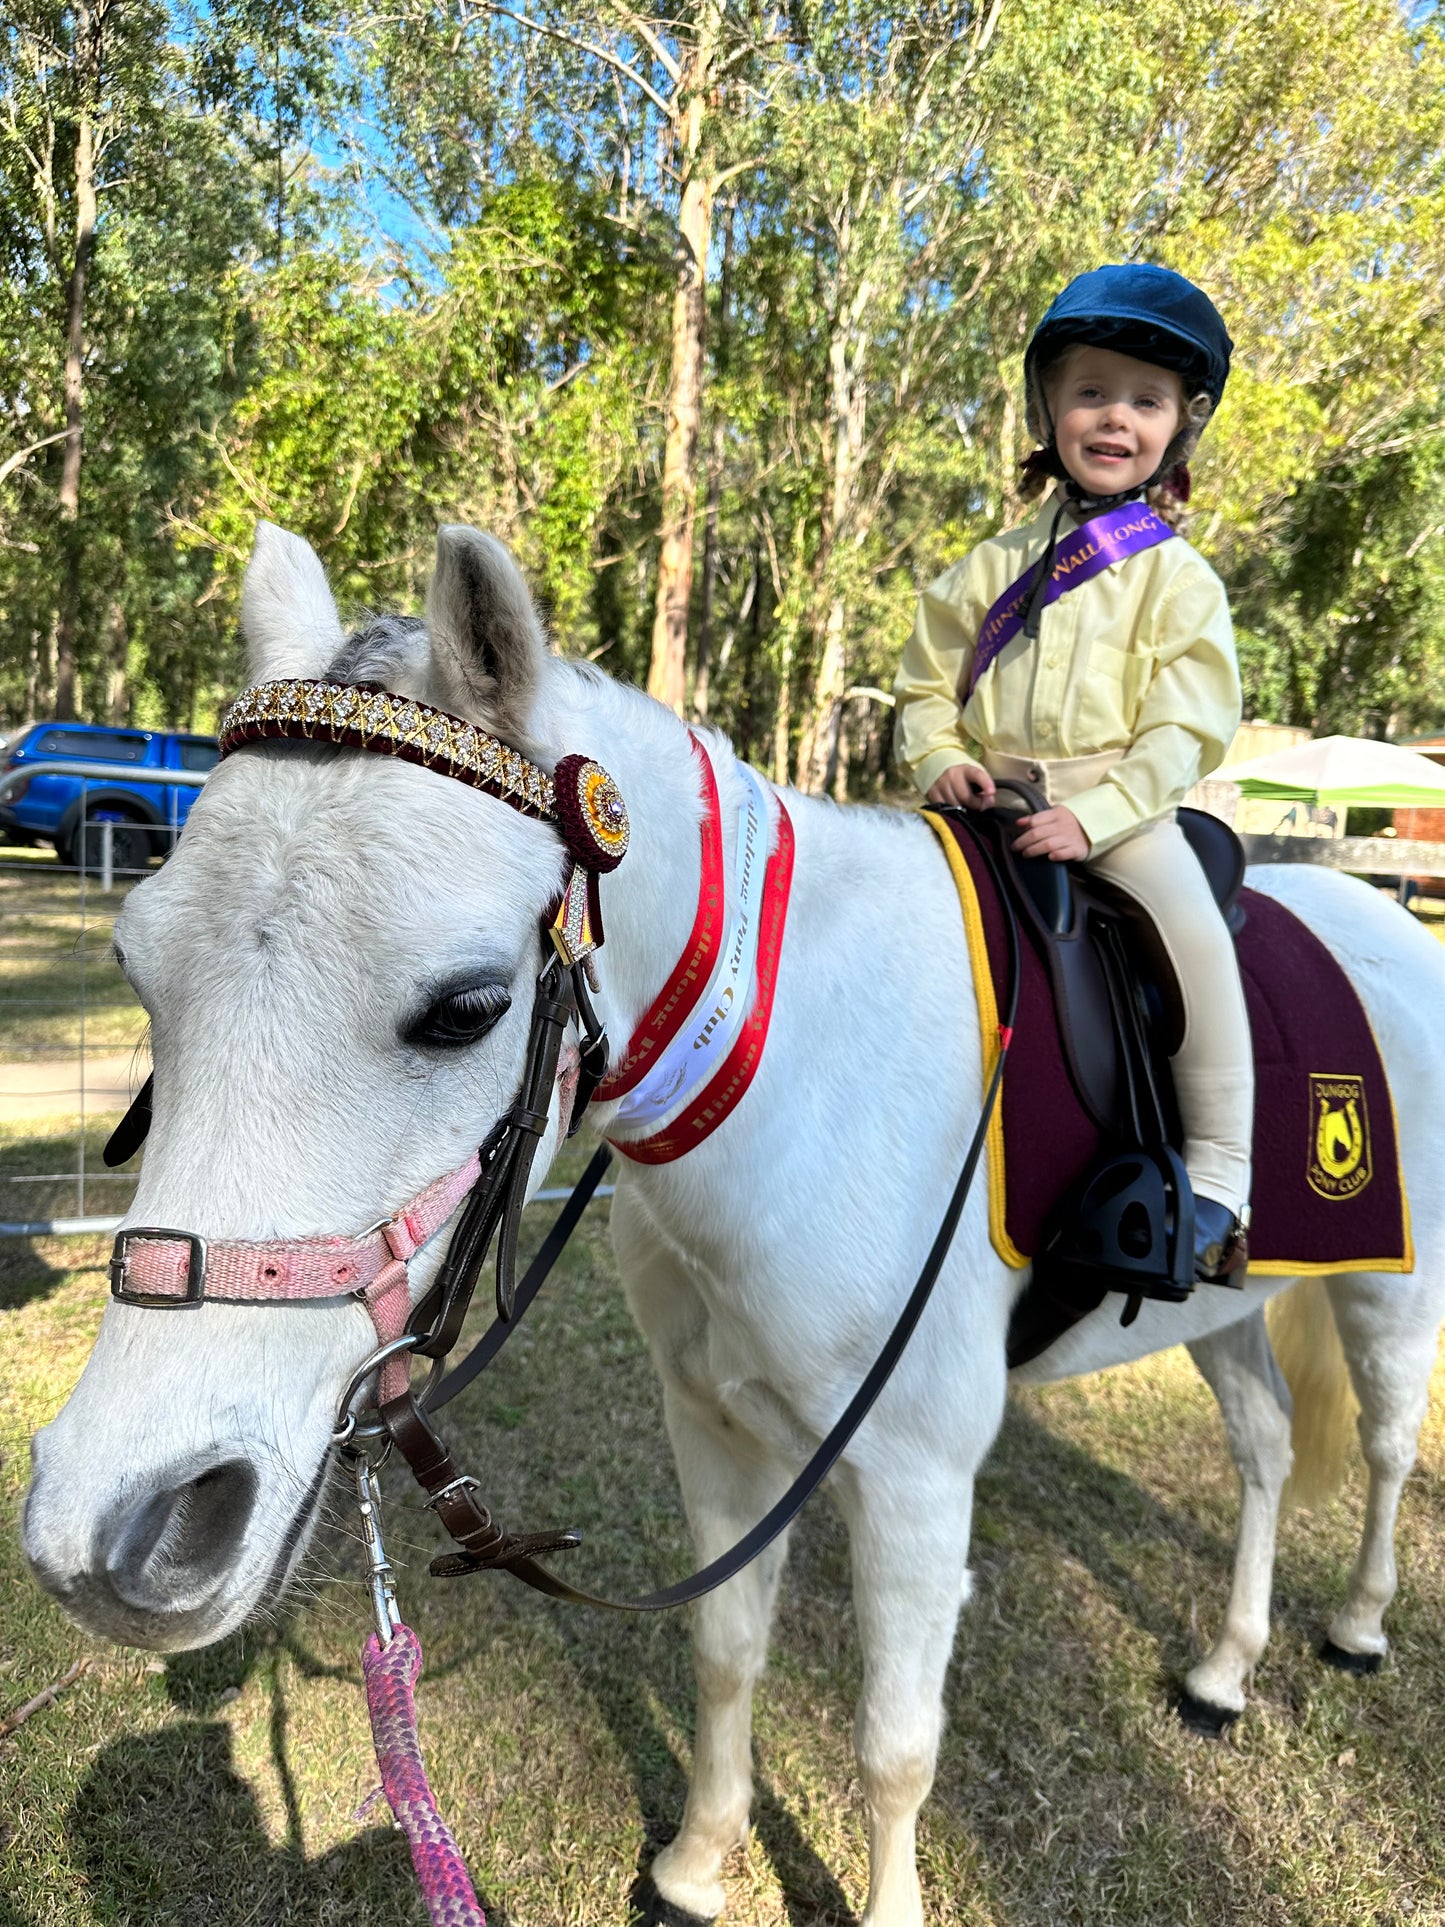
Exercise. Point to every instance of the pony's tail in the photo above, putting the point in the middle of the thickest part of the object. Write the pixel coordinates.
(1306, 1342)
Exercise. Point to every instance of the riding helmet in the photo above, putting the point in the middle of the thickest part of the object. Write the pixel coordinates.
(1136, 309)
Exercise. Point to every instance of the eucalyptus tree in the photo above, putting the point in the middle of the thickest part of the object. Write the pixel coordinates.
(871, 135)
(77, 85)
(501, 384)
(132, 195)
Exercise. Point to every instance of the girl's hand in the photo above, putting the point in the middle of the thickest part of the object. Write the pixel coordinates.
(968, 784)
(1056, 834)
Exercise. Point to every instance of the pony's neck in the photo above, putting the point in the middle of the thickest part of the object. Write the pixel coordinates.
(649, 902)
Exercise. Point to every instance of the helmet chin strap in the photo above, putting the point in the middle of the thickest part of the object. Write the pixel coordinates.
(1076, 500)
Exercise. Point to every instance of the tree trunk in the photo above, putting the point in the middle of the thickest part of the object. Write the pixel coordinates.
(667, 673)
(701, 687)
(702, 677)
(89, 30)
(117, 701)
(783, 714)
(791, 616)
(818, 747)
(838, 779)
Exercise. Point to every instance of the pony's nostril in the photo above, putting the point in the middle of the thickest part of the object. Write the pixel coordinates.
(170, 1550)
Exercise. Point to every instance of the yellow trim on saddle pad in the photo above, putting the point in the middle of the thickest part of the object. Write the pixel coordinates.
(1281, 1267)
(988, 1033)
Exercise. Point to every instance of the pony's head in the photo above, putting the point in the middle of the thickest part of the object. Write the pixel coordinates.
(339, 964)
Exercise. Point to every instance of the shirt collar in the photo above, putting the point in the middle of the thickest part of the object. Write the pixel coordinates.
(1075, 515)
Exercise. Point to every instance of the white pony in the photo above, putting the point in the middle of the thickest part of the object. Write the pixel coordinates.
(322, 899)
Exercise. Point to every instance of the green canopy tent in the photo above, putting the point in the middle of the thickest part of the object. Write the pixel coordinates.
(1342, 772)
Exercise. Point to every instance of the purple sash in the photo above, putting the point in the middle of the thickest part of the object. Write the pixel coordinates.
(1111, 537)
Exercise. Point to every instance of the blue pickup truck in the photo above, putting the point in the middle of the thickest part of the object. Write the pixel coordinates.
(47, 808)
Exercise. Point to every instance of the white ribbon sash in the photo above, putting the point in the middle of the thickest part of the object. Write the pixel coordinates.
(698, 1049)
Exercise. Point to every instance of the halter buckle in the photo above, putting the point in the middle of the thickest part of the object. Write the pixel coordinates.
(195, 1290)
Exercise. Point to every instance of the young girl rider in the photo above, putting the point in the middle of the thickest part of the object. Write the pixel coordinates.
(1108, 677)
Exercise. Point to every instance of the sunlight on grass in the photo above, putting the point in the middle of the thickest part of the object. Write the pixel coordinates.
(224, 1785)
(55, 958)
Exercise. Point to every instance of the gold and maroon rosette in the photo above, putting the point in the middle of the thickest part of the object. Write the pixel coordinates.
(591, 812)
(593, 820)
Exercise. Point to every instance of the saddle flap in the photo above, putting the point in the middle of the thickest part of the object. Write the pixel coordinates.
(1056, 902)
(1221, 857)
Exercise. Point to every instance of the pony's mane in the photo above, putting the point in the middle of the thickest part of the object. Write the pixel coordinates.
(383, 647)
(394, 652)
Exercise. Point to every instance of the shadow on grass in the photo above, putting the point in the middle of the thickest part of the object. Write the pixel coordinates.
(1039, 1487)
(26, 1274)
(165, 1830)
(199, 1681)
(811, 1895)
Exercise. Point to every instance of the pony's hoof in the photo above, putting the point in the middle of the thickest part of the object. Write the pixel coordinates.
(649, 1909)
(1361, 1665)
(1199, 1716)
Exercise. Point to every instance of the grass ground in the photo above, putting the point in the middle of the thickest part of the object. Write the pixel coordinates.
(55, 959)
(223, 1788)
(59, 986)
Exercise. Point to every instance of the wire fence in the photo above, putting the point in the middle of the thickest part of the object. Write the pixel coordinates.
(73, 1036)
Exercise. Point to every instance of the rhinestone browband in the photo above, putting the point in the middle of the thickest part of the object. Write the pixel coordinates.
(374, 719)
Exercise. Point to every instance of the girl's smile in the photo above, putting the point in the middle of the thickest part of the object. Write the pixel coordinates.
(1114, 417)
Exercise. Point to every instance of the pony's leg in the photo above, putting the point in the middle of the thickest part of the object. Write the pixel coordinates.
(909, 1543)
(725, 1491)
(1388, 1327)
(1240, 1368)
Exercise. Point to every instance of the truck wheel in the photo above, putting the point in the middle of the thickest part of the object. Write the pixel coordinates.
(130, 847)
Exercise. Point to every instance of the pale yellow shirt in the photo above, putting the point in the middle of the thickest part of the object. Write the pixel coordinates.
(1140, 659)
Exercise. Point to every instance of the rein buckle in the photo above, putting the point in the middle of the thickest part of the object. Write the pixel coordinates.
(464, 1482)
(195, 1290)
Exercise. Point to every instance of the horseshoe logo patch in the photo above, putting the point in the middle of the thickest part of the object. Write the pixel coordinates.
(1339, 1152)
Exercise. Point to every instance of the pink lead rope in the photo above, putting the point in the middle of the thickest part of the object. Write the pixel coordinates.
(391, 1667)
(391, 1672)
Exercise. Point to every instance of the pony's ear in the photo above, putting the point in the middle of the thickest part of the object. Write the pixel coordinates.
(287, 615)
(487, 644)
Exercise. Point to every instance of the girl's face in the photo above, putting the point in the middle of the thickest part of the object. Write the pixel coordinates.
(1113, 417)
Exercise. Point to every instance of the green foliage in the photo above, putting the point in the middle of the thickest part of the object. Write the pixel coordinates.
(366, 272)
(505, 394)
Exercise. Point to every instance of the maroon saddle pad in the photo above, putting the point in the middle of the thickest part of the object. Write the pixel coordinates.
(1328, 1190)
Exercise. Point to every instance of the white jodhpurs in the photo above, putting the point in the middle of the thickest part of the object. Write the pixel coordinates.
(1214, 1066)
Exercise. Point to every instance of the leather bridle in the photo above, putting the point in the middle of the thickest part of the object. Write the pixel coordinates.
(576, 800)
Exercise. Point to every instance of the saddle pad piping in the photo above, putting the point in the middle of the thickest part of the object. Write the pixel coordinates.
(982, 971)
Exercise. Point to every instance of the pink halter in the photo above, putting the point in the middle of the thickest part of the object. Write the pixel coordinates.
(155, 1266)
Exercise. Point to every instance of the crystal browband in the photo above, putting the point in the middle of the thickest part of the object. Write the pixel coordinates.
(374, 719)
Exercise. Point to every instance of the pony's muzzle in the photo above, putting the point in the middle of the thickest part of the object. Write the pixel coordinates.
(159, 1558)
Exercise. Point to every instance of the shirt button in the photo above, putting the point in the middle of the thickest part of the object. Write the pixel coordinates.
(1052, 662)
(1035, 774)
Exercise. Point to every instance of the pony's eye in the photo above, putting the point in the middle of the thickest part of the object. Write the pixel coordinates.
(459, 1017)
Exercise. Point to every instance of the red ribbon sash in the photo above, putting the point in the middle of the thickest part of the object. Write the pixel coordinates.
(673, 1005)
(720, 1096)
